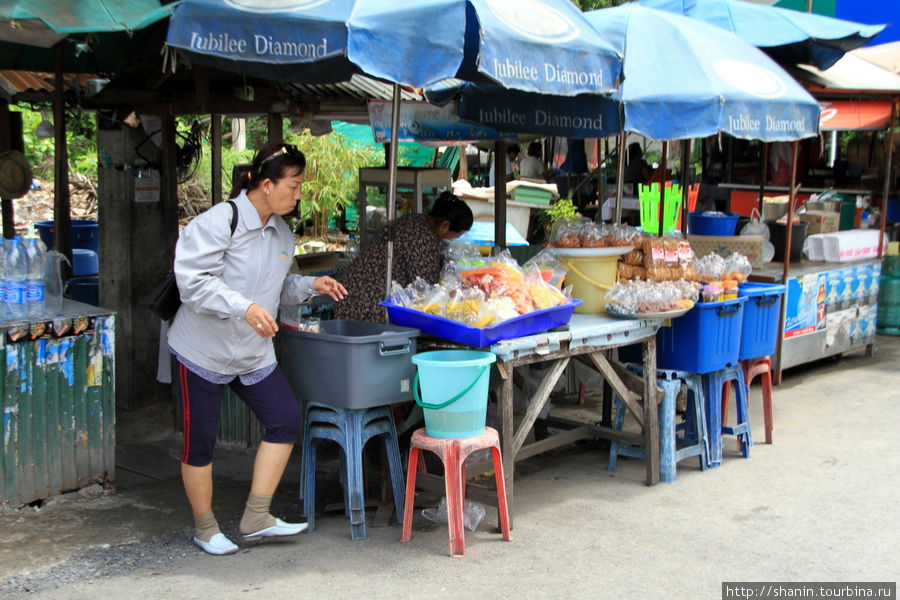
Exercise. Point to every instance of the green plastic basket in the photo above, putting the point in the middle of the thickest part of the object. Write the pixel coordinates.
(649, 198)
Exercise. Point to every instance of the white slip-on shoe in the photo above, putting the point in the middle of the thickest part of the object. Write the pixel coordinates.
(217, 544)
(280, 528)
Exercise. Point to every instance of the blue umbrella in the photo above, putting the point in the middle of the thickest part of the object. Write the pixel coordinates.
(789, 36)
(682, 79)
(533, 45)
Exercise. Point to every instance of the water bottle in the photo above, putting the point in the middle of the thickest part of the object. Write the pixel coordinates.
(34, 281)
(16, 274)
(352, 249)
(4, 307)
(53, 284)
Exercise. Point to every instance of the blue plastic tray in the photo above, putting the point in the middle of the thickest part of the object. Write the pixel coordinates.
(759, 329)
(527, 324)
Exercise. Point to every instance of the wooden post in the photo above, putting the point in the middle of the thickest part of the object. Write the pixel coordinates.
(662, 187)
(9, 217)
(887, 175)
(275, 128)
(500, 194)
(763, 174)
(62, 238)
(216, 157)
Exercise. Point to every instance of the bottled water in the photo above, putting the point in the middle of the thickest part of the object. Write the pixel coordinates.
(352, 249)
(4, 307)
(53, 285)
(16, 273)
(34, 281)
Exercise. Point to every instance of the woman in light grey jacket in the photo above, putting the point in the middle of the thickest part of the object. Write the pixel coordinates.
(232, 276)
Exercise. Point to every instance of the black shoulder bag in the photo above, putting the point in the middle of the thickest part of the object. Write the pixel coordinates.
(164, 299)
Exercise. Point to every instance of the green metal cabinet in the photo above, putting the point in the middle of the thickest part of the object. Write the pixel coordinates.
(58, 401)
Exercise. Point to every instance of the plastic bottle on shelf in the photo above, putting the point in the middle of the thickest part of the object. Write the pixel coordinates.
(34, 292)
(16, 274)
(4, 307)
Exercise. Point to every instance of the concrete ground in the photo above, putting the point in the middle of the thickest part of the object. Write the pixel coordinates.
(820, 504)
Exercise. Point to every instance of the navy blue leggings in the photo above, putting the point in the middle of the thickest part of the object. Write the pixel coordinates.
(271, 400)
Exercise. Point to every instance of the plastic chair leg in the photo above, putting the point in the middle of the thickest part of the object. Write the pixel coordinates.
(618, 423)
(453, 487)
(500, 483)
(309, 483)
(411, 472)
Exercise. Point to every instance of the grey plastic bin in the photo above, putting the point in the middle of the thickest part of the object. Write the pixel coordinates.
(352, 364)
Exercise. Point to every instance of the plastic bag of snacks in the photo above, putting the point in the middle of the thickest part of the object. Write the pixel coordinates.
(710, 268)
(636, 297)
(553, 271)
(737, 267)
(566, 233)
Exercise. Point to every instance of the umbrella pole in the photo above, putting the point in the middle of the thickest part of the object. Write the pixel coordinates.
(500, 194)
(763, 174)
(887, 177)
(62, 218)
(662, 187)
(392, 187)
(620, 174)
(790, 216)
(685, 182)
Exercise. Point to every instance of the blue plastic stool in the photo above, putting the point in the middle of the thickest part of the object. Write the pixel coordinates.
(712, 389)
(672, 449)
(351, 429)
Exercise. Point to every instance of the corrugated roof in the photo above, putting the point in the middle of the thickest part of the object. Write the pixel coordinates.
(34, 85)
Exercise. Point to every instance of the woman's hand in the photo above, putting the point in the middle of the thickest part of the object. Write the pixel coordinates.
(261, 321)
(329, 285)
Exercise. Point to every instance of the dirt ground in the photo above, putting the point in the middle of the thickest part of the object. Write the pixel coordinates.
(820, 504)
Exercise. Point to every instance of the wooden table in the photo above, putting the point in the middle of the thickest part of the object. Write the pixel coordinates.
(593, 336)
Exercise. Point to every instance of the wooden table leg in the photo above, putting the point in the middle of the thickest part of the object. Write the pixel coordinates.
(507, 433)
(651, 415)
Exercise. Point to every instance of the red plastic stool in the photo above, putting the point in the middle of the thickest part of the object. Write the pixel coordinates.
(752, 367)
(453, 453)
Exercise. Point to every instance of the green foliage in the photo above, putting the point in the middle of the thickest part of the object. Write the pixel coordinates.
(563, 208)
(331, 177)
(585, 5)
(81, 138)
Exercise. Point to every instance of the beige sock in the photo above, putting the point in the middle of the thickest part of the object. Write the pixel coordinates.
(205, 526)
(256, 514)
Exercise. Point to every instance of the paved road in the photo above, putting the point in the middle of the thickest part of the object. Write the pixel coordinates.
(818, 505)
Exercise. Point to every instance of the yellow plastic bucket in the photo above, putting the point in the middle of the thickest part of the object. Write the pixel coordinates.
(590, 278)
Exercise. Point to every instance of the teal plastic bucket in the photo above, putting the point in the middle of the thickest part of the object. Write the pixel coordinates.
(454, 394)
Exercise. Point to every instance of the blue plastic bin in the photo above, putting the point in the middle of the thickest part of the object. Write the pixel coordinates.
(707, 338)
(84, 289)
(85, 234)
(759, 330)
(700, 224)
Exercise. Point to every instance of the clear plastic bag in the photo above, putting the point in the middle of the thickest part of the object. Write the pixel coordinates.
(473, 514)
(756, 226)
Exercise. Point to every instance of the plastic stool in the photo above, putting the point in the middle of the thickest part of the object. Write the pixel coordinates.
(712, 387)
(752, 367)
(453, 453)
(351, 429)
(694, 442)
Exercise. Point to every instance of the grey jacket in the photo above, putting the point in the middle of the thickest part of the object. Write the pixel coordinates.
(220, 275)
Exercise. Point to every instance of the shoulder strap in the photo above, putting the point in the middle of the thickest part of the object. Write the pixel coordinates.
(234, 216)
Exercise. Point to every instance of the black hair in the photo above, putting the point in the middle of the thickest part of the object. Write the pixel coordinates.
(450, 208)
(514, 148)
(534, 149)
(272, 161)
(635, 150)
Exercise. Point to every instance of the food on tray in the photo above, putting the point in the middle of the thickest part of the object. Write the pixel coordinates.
(636, 297)
(487, 295)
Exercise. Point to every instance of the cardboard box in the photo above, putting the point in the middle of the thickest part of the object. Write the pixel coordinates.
(821, 221)
(315, 263)
(724, 245)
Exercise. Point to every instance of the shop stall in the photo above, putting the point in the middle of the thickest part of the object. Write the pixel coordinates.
(59, 422)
